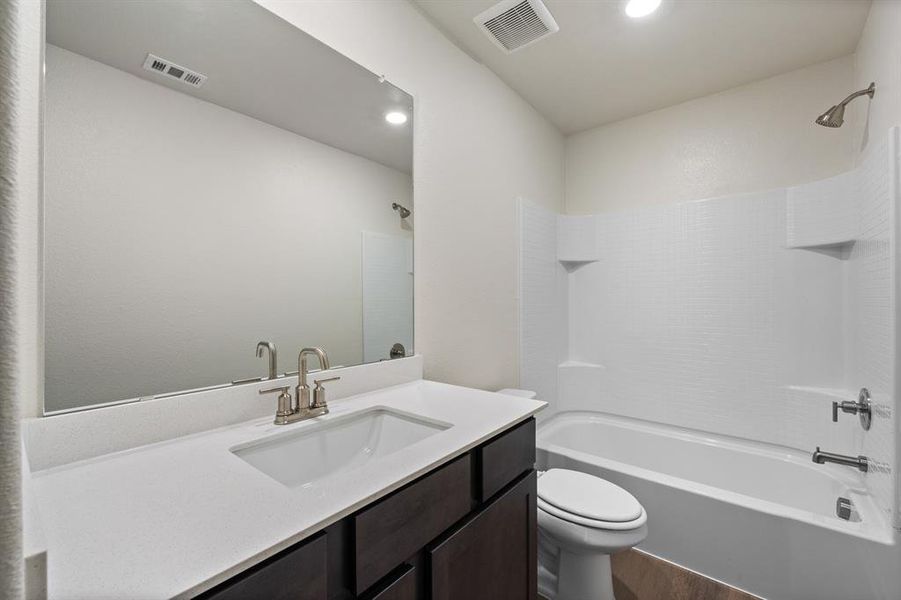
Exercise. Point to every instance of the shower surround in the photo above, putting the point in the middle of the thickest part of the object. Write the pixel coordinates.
(743, 316)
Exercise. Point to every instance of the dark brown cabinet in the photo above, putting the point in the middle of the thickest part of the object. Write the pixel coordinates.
(278, 577)
(505, 458)
(397, 527)
(464, 531)
(493, 556)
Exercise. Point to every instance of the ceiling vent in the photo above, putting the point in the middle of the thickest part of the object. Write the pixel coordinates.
(155, 64)
(515, 24)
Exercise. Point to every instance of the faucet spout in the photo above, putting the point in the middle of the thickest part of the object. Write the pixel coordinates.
(861, 463)
(269, 347)
(303, 390)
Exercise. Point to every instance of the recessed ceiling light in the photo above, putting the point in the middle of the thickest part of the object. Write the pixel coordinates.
(641, 8)
(396, 118)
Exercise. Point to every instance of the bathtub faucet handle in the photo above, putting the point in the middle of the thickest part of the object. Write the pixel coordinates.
(860, 408)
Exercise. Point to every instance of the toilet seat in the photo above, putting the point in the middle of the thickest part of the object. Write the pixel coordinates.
(593, 523)
(589, 501)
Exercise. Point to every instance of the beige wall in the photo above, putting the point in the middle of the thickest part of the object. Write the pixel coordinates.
(478, 147)
(878, 58)
(29, 303)
(749, 138)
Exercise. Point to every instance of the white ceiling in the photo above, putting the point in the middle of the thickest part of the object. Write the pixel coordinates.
(257, 64)
(603, 66)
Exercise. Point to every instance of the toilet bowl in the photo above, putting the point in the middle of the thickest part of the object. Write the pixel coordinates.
(582, 520)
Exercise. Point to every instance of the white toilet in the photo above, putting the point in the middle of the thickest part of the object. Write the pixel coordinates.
(582, 520)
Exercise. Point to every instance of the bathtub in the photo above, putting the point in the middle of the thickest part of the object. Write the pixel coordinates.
(755, 516)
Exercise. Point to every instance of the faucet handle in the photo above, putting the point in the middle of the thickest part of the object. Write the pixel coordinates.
(862, 408)
(319, 392)
(283, 389)
(284, 403)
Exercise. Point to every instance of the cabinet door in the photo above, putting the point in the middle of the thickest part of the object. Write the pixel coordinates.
(295, 574)
(492, 556)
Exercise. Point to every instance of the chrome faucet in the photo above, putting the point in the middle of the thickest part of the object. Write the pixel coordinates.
(273, 357)
(290, 411)
(861, 463)
(302, 391)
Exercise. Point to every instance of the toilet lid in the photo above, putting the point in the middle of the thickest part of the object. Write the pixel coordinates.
(588, 496)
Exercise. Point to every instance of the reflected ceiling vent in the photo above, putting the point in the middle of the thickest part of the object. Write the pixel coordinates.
(515, 24)
(155, 64)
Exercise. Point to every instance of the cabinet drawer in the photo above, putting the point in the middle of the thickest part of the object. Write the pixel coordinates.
(395, 528)
(506, 457)
(298, 573)
(402, 588)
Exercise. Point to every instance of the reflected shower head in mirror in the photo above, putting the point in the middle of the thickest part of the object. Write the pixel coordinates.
(404, 212)
(835, 116)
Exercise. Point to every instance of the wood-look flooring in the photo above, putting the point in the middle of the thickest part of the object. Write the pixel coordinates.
(639, 576)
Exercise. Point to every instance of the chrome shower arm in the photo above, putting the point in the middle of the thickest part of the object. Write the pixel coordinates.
(870, 91)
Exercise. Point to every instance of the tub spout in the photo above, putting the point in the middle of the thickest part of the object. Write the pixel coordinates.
(859, 462)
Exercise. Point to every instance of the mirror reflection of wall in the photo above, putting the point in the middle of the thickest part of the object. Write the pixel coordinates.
(184, 224)
(387, 294)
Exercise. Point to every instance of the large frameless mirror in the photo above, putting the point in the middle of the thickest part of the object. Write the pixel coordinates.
(214, 177)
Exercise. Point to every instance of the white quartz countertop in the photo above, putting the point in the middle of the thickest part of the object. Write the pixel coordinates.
(175, 518)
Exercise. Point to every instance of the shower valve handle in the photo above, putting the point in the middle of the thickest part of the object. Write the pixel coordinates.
(860, 408)
(845, 406)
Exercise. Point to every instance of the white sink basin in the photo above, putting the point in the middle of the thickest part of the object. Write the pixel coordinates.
(298, 458)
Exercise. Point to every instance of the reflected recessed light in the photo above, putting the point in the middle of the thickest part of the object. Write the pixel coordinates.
(396, 118)
(641, 8)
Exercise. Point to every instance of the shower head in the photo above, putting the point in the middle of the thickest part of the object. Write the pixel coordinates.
(835, 116)
(404, 212)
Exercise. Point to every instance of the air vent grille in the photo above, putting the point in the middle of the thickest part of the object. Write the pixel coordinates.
(193, 78)
(515, 24)
(155, 64)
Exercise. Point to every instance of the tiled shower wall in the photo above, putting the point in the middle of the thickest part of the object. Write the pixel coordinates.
(697, 315)
(744, 316)
(542, 302)
(872, 312)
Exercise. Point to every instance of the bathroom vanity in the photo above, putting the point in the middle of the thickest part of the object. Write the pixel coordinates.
(410, 489)
(465, 529)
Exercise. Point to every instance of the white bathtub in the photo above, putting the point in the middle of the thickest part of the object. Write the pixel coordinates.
(755, 516)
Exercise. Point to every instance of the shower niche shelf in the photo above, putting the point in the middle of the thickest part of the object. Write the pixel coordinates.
(824, 215)
(577, 241)
(575, 265)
